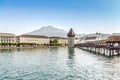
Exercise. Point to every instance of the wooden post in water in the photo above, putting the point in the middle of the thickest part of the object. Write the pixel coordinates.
(104, 51)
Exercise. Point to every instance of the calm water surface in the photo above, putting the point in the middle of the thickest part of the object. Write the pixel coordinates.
(57, 64)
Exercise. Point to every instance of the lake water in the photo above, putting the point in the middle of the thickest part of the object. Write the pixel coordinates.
(57, 64)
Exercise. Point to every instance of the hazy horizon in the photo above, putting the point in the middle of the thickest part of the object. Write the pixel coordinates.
(84, 16)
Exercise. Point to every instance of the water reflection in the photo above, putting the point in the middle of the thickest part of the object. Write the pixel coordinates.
(71, 64)
(53, 53)
(26, 49)
(7, 50)
(71, 55)
(53, 50)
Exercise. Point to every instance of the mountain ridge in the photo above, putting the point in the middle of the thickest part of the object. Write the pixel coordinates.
(50, 31)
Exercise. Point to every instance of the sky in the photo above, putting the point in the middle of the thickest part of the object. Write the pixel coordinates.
(84, 16)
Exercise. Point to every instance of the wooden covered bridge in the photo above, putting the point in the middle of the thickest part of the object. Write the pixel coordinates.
(108, 47)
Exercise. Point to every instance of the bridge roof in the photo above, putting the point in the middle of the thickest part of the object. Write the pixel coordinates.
(113, 39)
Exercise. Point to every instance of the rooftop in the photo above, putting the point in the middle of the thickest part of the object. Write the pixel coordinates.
(33, 36)
(71, 33)
(7, 34)
(89, 38)
(113, 39)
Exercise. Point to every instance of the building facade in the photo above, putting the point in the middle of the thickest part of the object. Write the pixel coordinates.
(94, 37)
(32, 39)
(7, 38)
(61, 40)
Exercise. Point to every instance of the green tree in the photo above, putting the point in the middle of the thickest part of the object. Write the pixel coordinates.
(54, 42)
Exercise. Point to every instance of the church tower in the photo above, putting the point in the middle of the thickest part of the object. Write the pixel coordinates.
(71, 36)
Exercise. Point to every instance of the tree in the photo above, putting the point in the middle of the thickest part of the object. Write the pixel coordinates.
(54, 42)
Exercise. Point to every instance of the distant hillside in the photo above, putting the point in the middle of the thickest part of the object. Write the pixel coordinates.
(51, 31)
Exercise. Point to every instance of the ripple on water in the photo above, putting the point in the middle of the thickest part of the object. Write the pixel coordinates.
(57, 64)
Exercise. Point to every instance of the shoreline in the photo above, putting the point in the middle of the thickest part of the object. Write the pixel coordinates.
(31, 47)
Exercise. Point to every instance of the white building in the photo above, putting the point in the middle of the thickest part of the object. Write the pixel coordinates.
(94, 37)
(61, 40)
(115, 34)
(32, 39)
(29, 39)
(7, 38)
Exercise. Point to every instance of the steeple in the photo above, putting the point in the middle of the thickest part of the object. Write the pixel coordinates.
(71, 33)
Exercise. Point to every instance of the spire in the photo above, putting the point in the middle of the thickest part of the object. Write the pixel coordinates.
(71, 33)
